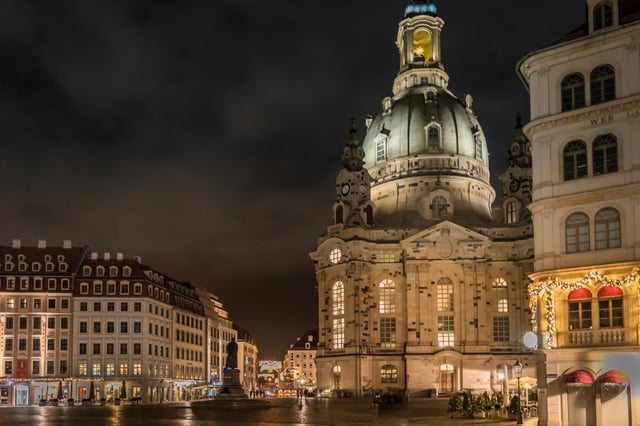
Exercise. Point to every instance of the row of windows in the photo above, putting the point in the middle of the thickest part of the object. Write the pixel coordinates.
(100, 271)
(35, 283)
(188, 337)
(111, 306)
(188, 354)
(604, 157)
(35, 266)
(124, 327)
(189, 321)
(35, 344)
(9, 323)
(607, 231)
(35, 367)
(23, 303)
(110, 349)
(602, 85)
(110, 369)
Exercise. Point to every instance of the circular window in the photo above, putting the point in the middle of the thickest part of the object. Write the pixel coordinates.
(335, 255)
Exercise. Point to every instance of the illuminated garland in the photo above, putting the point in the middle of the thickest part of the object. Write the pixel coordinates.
(548, 286)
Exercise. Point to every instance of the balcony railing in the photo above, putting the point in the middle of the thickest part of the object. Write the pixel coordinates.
(598, 337)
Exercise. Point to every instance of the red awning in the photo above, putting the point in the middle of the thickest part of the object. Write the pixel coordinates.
(610, 291)
(579, 376)
(580, 293)
(613, 376)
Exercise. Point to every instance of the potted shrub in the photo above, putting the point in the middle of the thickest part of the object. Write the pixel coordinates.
(455, 405)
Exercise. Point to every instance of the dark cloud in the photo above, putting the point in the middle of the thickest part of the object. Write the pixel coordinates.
(205, 136)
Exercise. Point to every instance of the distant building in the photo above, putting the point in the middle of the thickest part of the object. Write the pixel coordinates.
(422, 283)
(585, 134)
(247, 358)
(79, 325)
(301, 360)
(269, 375)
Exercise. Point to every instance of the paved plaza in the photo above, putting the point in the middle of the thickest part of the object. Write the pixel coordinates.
(312, 411)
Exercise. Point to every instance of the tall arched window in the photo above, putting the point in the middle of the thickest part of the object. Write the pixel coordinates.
(607, 223)
(445, 294)
(439, 207)
(605, 154)
(433, 138)
(337, 300)
(580, 309)
(575, 160)
(387, 302)
(572, 92)
(603, 84)
(512, 212)
(610, 307)
(381, 149)
(577, 233)
(602, 15)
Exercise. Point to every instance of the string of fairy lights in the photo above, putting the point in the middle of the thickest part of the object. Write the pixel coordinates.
(547, 287)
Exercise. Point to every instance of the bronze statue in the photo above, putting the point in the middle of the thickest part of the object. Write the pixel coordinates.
(232, 355)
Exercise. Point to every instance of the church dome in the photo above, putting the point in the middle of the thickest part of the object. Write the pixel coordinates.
(426, 151)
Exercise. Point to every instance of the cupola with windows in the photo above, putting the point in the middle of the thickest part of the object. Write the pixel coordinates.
(425, 150)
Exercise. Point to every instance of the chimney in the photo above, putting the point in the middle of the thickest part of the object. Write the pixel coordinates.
(94, 255)
(15, 244)
(107, 255)
(119, 256)
(66, 244)
(42, 244)
(138, 259)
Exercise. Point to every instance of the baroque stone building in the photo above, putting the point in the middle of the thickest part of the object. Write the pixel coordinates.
(584, 132)
(422, 283)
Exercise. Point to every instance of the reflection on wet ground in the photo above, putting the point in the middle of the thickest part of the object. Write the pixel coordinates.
(312, 411)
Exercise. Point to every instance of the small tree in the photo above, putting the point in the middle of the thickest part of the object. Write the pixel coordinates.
(455, 403)
(500, 398)
(485, 401)
(466, 403)
(513, 405)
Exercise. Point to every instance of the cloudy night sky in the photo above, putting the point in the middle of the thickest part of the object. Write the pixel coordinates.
(204, 136)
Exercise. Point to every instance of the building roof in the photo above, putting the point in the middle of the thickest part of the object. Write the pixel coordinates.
(310, 336)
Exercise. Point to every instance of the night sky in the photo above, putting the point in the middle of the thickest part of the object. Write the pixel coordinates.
(204, 136)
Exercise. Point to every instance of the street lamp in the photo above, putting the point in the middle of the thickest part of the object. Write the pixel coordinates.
(517, 369)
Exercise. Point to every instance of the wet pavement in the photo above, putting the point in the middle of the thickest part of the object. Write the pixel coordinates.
(312, 411)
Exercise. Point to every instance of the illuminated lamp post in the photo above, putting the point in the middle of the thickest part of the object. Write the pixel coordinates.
(517, 369)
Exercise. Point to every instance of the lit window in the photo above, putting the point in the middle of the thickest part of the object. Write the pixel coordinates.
(335, 255)
(512, 212)
(607, 223)
(577, 233)
(445, 294)
(124, 369)
(445, 331)
(503, 305)
(610, 308)
(95, 370)
(575, 160)
(580, 309)
(338, 298)
(110, 370)
(499, 284)
(389, 374)
(82, 369)
(338, 333)
(572, 92)
(381, 148)
(605, 154)
(387, 303)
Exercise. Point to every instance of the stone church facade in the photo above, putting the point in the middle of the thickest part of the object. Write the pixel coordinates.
(422, 282)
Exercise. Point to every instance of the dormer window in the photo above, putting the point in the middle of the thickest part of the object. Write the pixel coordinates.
(602, 16)
(86, 270)
(113, 271)
(434, 137)
(439, 207)
(100, 271)
(126, 271)
(381, 148)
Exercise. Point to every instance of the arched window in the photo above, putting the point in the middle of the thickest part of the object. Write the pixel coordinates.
(499, 284)
(610, 307)
(433, 138)
(439, 207)
(607, 223)
(337, 330)
(512, 212)
(339, 214)
(503, 305)
(602, 15)
(422, 46)
(577, 233)
(580, 309)
(575, 160)
(605, 154)
(603, 84)
(572, 92)
(389, 374)
(381, 149)
(445, 295)
(387, 301)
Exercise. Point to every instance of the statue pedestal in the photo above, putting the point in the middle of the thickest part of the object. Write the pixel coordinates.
(231, 387)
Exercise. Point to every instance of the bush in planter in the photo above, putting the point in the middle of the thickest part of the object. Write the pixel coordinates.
(485, 401)
(513, 405)
(499, 399)
(455, 404)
